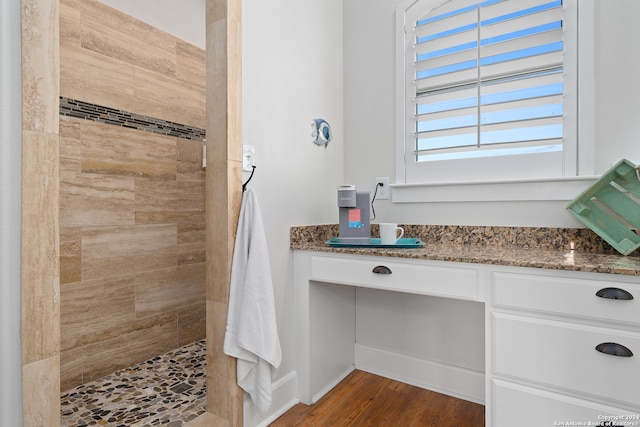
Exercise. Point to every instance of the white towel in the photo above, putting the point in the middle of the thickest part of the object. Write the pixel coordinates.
(252, 332)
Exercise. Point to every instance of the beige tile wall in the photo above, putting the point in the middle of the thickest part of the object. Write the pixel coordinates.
(132, 203)
(109, 58)
(41, 301)
(224, 186)
(40, 230)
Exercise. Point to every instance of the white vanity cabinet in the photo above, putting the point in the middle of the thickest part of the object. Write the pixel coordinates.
(560, 347)
(564, 347)
(326, 286)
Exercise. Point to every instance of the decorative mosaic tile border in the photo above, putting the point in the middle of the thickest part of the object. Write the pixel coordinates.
(101, 114)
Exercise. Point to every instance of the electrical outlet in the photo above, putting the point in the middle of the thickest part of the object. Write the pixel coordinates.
(383, 190)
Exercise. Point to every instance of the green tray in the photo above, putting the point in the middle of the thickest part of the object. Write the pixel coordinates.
(611, 207)
(374, 242)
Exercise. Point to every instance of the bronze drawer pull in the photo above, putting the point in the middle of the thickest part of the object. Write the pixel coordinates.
(381, 269)
(614, 349)
(614, 293)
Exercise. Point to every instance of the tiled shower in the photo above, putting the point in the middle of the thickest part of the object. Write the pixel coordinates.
(132, 197)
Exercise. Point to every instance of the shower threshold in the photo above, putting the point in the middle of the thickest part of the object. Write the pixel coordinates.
(167, 390)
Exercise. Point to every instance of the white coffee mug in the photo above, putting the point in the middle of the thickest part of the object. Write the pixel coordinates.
(389, 233)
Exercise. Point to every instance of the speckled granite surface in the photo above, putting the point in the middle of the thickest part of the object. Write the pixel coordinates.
(548, 248)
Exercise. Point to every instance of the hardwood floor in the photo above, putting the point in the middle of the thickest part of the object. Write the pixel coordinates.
(364, 399)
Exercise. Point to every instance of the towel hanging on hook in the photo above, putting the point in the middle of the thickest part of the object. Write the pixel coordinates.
(244, 186)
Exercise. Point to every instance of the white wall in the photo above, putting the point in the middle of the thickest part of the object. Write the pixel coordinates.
(369, 114)
(10, 212)
(423, 327)
(617, 105)
(10, 178)
(292, 73)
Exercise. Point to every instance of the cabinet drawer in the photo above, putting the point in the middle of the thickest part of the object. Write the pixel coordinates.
(565, 296)
(563, 355)
(517, 405)
(415, 278)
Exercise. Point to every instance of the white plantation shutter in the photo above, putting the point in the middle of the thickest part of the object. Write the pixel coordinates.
(486, 90)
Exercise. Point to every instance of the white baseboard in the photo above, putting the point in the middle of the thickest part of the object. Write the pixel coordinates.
(451, 380)
(283, 398)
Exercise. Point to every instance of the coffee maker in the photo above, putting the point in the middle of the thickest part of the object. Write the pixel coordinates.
(353, 213)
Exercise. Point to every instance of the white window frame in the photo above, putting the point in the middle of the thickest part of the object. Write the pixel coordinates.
(579, 127)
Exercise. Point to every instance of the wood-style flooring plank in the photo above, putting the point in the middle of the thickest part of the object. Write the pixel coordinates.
(366, 400)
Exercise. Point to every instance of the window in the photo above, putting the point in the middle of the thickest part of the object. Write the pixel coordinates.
(489, 90)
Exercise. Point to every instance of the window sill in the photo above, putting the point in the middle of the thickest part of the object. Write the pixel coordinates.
(554, 189)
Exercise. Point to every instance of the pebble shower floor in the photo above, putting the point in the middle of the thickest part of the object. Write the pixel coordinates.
(167, 390)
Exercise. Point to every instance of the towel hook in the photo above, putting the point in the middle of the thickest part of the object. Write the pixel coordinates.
(244, 186)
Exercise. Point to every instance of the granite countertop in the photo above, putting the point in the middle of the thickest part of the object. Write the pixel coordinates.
(548, 248)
